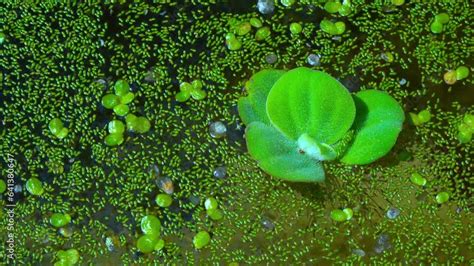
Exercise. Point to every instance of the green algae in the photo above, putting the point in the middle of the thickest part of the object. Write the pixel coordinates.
(59, 60)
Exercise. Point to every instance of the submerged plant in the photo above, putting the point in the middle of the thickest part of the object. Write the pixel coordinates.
(297, 119)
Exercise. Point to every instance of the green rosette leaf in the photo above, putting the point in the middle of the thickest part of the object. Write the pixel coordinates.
(378, 122)
(281, 157)
(253, 107)
(305, 101)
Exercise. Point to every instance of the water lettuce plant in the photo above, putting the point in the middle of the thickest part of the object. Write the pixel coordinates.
(300, 118)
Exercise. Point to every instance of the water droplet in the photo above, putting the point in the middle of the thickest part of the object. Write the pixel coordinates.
(217, 129)
(313, 60)
(358, 252)
(17, 188)
(265, 6)
(220, 172)
(271, 58)
(165, 184)
(383, 243)
(109, 243)
(393, 213)
(268, 224)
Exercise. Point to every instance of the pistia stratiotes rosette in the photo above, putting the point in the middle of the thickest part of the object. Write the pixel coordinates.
(299, 118)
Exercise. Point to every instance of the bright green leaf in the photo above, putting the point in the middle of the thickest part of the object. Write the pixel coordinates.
(305, 101)
(253, 107)
(281, 157)
(378, 122)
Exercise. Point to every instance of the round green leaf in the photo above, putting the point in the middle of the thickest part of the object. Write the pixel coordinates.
(150, 225)
(116, 127)
(201, 239)
(378, 122)
(281, 157)
(34, 186)
(121, 87)
(109, 101)
(55, 125)
(59, 219)
(305, 101)
(253, 107)
(147, 243)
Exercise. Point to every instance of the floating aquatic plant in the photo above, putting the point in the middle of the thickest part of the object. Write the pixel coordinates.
(190, 90)
(333, 28)
(201, 239)
(151, 227)
(163, 200)
(120, 100)
(300, 118)
(57, 128)
(59, 219)
(67, 257)
(34, 186)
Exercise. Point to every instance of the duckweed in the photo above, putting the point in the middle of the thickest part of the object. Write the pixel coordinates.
(215, 214)
(442, 197)
(59, 219)
(450, 77)
(418, 179)
(34, 186)
(141, 125)
(332, 6)
(295, 28)
(349, 213)
(150, 225)
(210, 203)
(57, 128)
(243, 28)
(462, 72)
(163, 200)
(114, 139)
(109, 101)
(201, 239)
(67, 257)
(121, 88)
(147, 243)
(339, 215)
(256, 23)
(287, 3)
(121, 109)
(116, 127)
(160, 244)
(262, 33)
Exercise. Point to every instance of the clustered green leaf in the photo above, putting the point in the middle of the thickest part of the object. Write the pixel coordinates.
(151, 227)
(191, 90)
(466, 129)
(437, 26)
(333, 28)
(119, 103)
(67, 257)
(212, 209)
(56, 127)
(422, 117)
